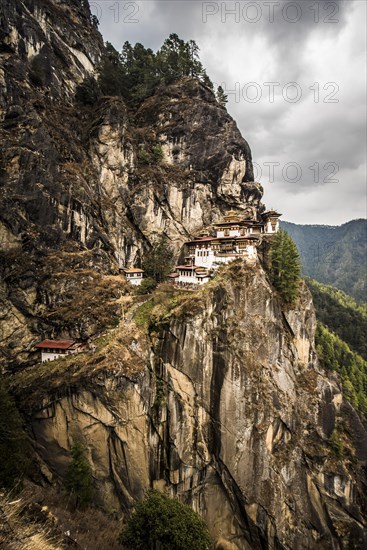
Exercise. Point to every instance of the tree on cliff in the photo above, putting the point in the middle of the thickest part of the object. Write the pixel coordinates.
(13, 442)
(110, 73)
(136, 72)
(79, 479)
(178, 58)
(222, 98)
(161, 522)
(88, 92)
(159, 261)
(285, 267)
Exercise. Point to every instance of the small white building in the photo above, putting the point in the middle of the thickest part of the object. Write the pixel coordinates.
(57, 349)
(134, 275)
(271, 219)
(191, 275)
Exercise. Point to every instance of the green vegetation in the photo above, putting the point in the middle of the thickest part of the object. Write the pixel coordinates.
(161, 522)
(150, 154)
(285, 267)
(14, 462)
(147, 285)
(222, 98)
(88, 91)
(157, 153)
(136, 72)
(78, 480)
(143, 313)
(166, 301)
(334, 354)
(144, 157)
(158, 263)
(342, 315)
(336, 443)
(334, 255)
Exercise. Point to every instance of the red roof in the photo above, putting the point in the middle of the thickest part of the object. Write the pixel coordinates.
(56, 344)
(273, 213)
(227, 237)
(200, 240)
(222, 224)
(185, 267)
(242, 238)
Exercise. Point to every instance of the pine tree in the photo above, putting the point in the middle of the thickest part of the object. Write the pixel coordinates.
(161, 522)
(222, 98)
(79, 479)
(137, 72)
(14, 451)
(87, 92)
(285, 269)
(110, 73)
(159, 261)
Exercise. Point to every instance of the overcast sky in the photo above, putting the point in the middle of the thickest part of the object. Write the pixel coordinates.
(295, 75)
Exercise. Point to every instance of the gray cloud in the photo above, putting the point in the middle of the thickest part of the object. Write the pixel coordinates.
(330, 54)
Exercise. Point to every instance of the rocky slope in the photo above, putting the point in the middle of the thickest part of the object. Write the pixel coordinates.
(75, 180)
(223, 404)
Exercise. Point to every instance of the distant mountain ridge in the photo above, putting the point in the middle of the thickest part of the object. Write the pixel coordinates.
(334, 255)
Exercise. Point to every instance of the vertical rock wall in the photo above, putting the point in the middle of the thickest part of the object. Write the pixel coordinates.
(233, 416)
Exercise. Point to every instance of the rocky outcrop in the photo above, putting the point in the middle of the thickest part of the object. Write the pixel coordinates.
(106, 179)
(230, 412)
(216, 150)
(46, 45)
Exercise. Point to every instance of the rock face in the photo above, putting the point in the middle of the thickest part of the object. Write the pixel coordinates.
(230, 413)
(77, 179)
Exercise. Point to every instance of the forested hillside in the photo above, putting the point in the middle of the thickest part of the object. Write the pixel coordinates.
(341, 314)
(334, 354)
(341, 339)
(334, 255)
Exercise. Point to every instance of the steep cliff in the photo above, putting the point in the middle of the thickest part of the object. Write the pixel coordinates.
(221, 402)
(74, 179)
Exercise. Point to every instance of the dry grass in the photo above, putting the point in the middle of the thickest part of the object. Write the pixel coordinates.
(42, 519)
(17, 532)
(84, 297)
(92, 529)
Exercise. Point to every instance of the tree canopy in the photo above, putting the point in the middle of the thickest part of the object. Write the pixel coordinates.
(222, 98)
(14, 462)
(136, 72)
(341, 314)
(78, 479)
(285, 269)
(334, 354)
(161, 522)
(158, 263)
